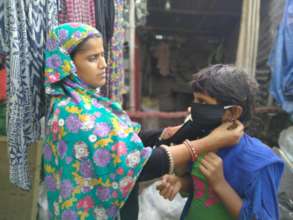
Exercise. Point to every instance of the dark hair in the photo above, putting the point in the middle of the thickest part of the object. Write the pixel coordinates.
(229, 85)
(82, 43)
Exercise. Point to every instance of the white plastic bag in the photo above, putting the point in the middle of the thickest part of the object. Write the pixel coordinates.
(152, 206)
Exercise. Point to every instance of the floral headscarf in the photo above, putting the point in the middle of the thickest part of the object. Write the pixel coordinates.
(92, 153)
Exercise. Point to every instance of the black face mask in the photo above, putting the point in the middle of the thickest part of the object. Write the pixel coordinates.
(207, 116)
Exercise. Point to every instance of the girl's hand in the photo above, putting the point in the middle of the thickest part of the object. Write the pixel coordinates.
(212, 168)
(169, 186)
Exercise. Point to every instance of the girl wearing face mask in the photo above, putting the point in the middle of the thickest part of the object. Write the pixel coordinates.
(233, 183)
(92, 153)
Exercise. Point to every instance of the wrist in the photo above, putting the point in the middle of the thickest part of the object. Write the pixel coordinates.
(206, 144)
(220, 185)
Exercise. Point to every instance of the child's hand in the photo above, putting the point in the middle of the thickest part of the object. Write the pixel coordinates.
(212, 168)
(169, 186)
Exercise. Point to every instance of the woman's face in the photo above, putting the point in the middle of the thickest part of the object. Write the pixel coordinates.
(90, 62)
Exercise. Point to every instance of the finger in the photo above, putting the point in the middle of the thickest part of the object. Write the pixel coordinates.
(206, 164)
(213, 157)
(169, 194)
(165, 190)
(204, 170)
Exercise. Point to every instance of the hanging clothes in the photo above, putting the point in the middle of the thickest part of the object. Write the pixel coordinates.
(2, 45)
(105, 15)
(82, 11)
(115, 70)
(25, 24)
(281, 61)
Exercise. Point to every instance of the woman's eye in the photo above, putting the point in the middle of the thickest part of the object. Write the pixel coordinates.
(92, 58)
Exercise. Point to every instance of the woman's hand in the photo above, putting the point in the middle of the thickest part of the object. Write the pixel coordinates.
(169, 186)
(224, 136)
(169, 132)
(211, 167)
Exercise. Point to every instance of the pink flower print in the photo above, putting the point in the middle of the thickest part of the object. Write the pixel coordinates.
(74, 24)
(133, 159)
(126, 184)
(55, 127)
(114, 194)
(120, 171)
(120, 148)
(212, 199)
(102, 157)
(198, 187)
(80, 150)
(102, 129)
(86, 203)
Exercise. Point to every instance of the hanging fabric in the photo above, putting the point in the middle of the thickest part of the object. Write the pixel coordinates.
(105, 15)
(25, 24)
(82, 11)
(248, 36)
(280, 61)
(115, 70)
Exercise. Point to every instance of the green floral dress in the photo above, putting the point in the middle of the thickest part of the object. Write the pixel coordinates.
(92, 153)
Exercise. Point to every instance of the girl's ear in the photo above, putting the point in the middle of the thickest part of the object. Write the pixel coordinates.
(236, 112)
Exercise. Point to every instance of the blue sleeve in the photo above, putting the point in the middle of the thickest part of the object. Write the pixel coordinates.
(260, 202)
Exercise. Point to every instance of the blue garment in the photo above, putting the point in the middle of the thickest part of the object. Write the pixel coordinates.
(254, 172)
(281, 61)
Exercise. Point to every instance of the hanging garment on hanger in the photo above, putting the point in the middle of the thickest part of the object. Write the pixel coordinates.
(82, 11)
(105, 16)
(26, 23)
(115, 70)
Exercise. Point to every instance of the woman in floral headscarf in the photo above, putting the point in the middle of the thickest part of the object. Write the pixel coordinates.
(92, 153)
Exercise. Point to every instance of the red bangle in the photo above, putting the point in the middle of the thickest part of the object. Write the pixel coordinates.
(192, 150)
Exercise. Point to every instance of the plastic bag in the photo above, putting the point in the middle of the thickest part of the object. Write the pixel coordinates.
(285, 191)
(153, 206)
(286, 145)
